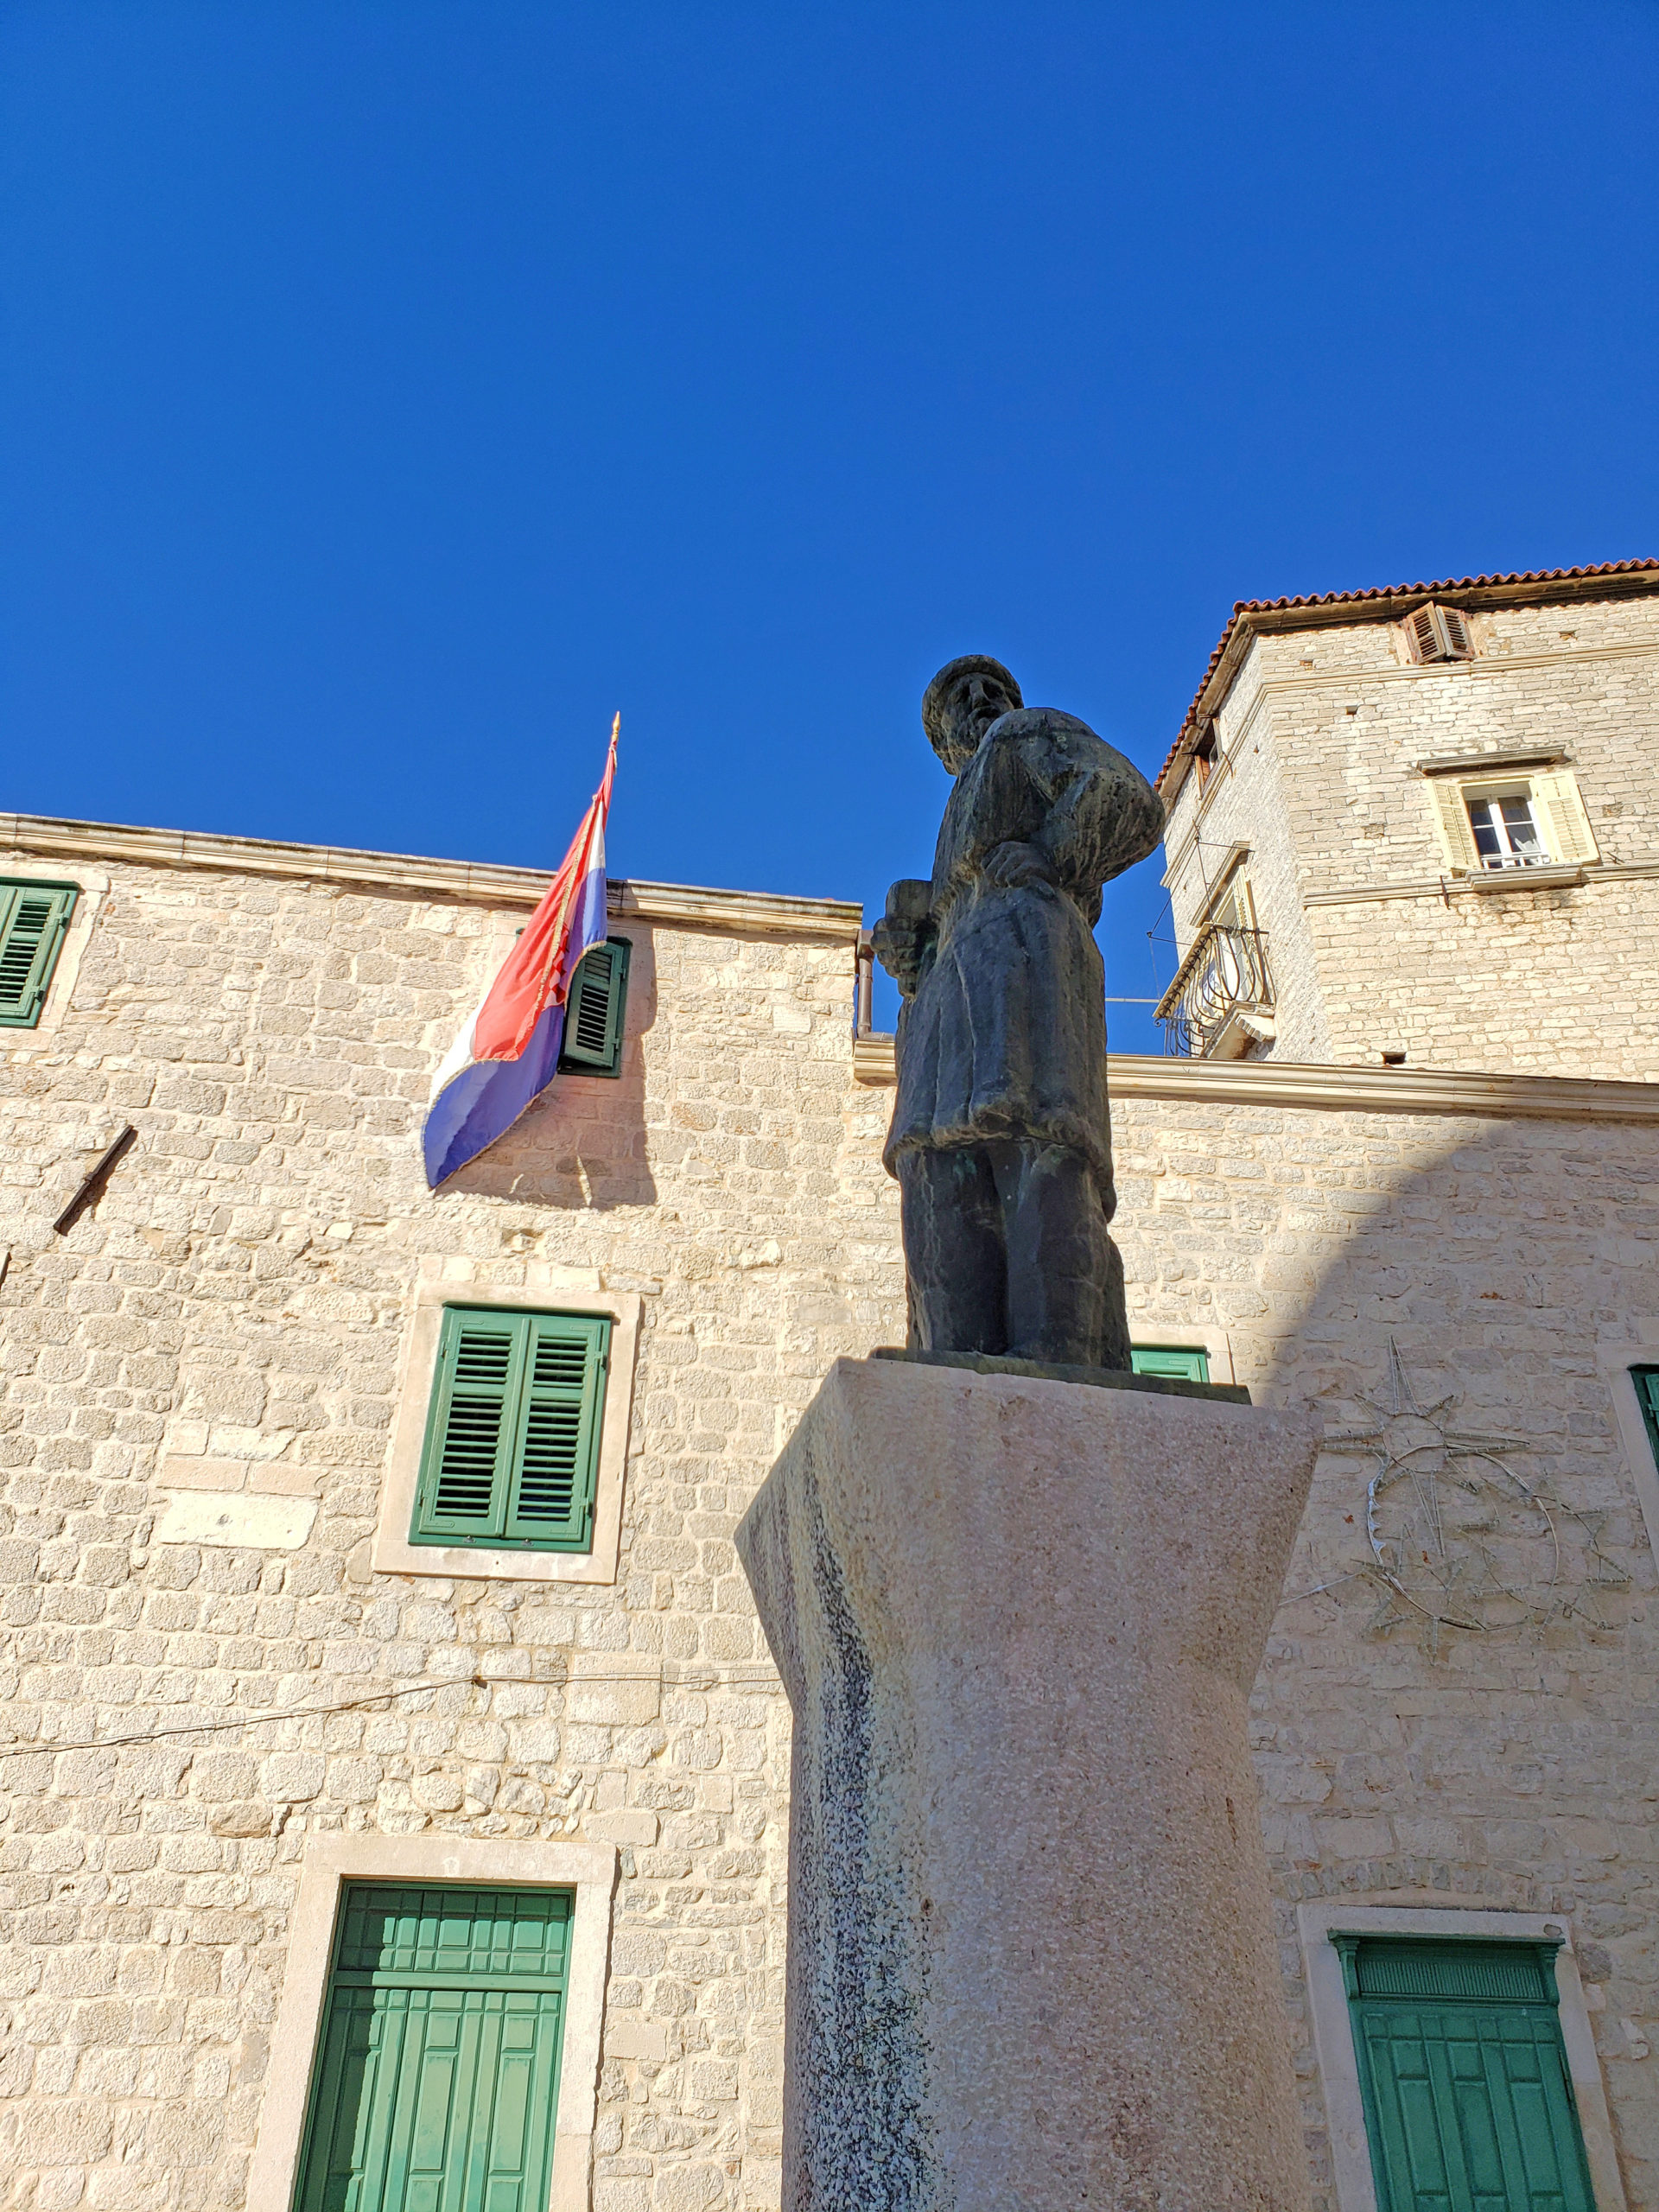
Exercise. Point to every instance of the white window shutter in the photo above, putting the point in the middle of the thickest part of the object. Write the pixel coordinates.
(1556, 797)
(1452, 816)
(1455, 631)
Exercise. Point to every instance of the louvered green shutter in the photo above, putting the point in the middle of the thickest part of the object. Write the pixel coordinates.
(1187, 1363)
(1646, 1380)
(593, 1019)
(513, 1437)
(33, 919)
(556, 1447)
(1468, 2106)
(437, 2075)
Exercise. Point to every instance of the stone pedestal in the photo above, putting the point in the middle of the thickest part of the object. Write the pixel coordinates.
(1030, 1961)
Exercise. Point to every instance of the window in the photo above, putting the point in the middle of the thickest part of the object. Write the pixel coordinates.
(1187, 1363)
(1207, 752)
(593, 1019)
(1506, 829)
(1492, 824)
(33, 919)
(436, 2070)
(1463, 2075)
(1234, 909)
(1440, 634)
(512, 1433)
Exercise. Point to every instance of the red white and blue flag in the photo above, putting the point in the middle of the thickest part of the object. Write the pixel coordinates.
(508, 1052)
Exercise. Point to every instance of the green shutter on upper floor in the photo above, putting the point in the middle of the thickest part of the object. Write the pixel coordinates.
(436, 2072)
(512, 1451)
(1187, 1363)
(593, 1022)
(1468, 2104)
(34, 917)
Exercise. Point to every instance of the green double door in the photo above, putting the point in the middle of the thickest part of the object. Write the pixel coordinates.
(437, 2065)
(1468, 2102)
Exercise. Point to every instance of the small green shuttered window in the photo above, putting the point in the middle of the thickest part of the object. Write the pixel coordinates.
(33, 919)
(1187, 1363)
(593, 1018)
(1646, 1380)
(513, 1436)
(437, 2064)
(1468, 2106)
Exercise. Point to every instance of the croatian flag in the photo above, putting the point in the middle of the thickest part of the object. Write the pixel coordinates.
(506, 1055)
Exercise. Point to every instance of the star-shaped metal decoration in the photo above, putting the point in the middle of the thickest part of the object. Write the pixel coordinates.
(1457, 1538)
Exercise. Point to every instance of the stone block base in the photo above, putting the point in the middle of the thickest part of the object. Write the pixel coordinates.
(1030, 1958)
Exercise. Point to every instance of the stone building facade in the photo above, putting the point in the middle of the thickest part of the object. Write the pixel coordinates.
(1332, 788)
(234, 1684)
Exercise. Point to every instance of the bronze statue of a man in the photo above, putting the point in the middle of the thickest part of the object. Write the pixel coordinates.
(1001, 1137)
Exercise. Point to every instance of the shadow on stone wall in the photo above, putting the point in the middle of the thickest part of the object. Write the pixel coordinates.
(581, 1147)
(1472, 1733)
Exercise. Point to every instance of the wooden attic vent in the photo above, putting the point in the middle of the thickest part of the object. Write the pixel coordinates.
(1440, 634)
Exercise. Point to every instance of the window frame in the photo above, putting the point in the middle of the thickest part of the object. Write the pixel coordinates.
(621, 949)
(1425, 1915)
(498, 1862)
(66, 896)
(446, 1279)
(519, 1397)
(1560, 817)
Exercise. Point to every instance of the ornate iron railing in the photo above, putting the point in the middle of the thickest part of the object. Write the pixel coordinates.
(1224, 973)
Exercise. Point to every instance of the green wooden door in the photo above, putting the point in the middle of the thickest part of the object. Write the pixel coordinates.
(1468, 2103)
(437, 2065)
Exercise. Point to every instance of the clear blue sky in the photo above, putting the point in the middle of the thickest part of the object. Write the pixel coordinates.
(389, 392)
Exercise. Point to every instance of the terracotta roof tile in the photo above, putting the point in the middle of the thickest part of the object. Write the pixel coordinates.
(1244, 606)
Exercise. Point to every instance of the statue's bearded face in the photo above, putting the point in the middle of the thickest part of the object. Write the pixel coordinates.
(974, 702)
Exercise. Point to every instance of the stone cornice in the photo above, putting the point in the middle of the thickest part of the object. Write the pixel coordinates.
(737, 913)
(1331, 1089)
(1486, 884)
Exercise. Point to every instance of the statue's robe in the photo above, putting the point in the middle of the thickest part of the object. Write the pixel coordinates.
(1004, 1034)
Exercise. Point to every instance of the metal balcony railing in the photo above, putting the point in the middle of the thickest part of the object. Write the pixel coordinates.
(1224, 973)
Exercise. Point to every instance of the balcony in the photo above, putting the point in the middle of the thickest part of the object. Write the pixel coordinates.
(1221, 1001)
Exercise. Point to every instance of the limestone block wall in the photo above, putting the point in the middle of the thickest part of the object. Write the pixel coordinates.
(1245, 804)
(1324, 728)
(238, 1301)
(241, 1297)
(1512, 1266)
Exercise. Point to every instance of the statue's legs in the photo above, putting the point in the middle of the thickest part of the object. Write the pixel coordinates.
(1007, 1252)
(1065, 1273)
(955, 1260)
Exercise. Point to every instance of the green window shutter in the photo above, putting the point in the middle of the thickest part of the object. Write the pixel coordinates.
(1468, 2103)
(33, 919)
(469, 1430)
(593, 1018)
(1646, 1380)
(557, 1453)
(512, 1451)
(436, 2072)
(1187, 1363)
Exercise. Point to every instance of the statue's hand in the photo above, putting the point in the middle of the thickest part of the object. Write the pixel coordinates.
(900, 947)
(904, 936)
(1011, 866)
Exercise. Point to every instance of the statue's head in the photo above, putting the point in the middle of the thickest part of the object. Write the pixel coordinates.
(961, 704)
